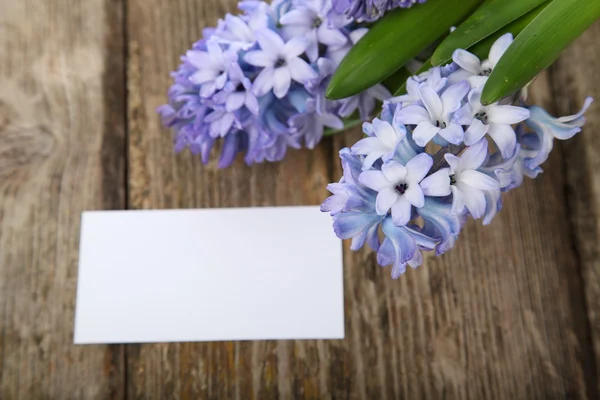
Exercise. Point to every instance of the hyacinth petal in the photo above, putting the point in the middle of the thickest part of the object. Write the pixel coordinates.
(385, 199)
(295, 46)
(334, 204)
(235, 101)
(458, 76)
(412, 115)
(260, 58)
(263, 82)
(424, 132)
(386, 133)
(239, 26)
(467, 61)
(270, 41)
(203, 76)
(230, 149)
(474, 200)
(431, 100)
(453, 162)
(369, 145)
(281, 82)
(199, 59)
(400, 246)
(299, 16)
(401, 211)
(330, 37)
(312, 50)
(505, 138)
(475, 132)
(371, 159)
(453, 133)
(507, 114)
(437, 184)
(493, 205)
(251, 103)
(418, 167)
(380, 92)
(332, 121)
(215, 53)
(577, 119)
(452, 97)
(473, 156)
(300, 71)
(415, 195)
(358, 34)
(499, 47)
(394, 172)
(458, 201)
(374, 180)
(440, 224)
(479, 180)
(351, 224)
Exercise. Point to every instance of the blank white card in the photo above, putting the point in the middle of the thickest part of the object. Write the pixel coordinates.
(208, 275)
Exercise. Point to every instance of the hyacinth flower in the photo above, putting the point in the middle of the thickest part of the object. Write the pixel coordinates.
(256, 82)
(402, 197)
(370, 10)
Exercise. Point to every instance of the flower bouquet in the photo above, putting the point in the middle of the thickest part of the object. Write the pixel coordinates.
(439, 85)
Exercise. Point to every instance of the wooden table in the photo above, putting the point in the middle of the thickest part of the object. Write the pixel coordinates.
(511, 313)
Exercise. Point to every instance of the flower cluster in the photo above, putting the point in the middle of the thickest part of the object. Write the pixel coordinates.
(369, 10)
(257, 82)
(434, 157)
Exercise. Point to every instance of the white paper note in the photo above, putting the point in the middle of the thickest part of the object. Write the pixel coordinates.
(208, 275)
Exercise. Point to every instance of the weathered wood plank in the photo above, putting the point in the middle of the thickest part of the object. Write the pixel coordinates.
(575, 76)
(62, 151)
(499, 317)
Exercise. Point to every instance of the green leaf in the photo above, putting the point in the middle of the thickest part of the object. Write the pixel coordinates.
(397, 79)
(487, 19)
(392, 41)
(539, 45)
(482, 49)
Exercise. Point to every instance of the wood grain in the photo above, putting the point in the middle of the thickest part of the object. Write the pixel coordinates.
(510, 313)
(576, 76)
(62, 151)
(502, 316)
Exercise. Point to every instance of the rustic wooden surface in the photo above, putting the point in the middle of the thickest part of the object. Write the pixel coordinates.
(513, 312)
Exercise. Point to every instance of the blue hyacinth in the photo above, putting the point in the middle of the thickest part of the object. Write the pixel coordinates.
(256, 82)
(436, 156)
(370, 10)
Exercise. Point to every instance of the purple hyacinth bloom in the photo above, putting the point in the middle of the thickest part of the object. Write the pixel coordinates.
(381, 142)
(281, 62)
(436, 116)
(312, 123)
(469, 185)
(398, 187)
(309, 19)
(400, 210)
(370, 10)
(402, 246)
(547, 128)
(473, 69)
(237, 93)
(256, 82)
(213, 65)
(495, 120)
